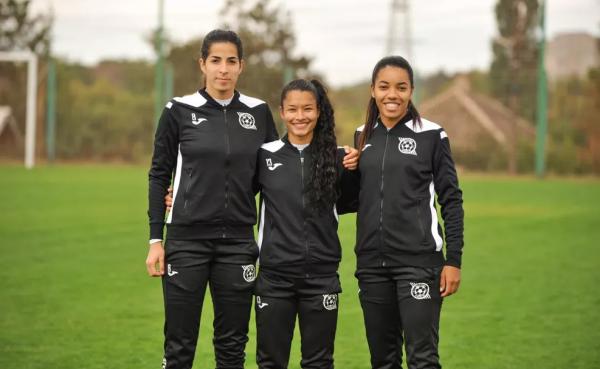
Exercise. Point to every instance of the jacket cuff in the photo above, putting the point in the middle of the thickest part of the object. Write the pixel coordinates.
(453, 259)
(156, 231)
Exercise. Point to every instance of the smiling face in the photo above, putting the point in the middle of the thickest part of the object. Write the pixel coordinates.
(222, 67)
(392, 92)
(300, 113)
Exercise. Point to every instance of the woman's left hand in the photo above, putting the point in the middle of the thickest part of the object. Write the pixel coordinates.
(449, 280)
(351, 158)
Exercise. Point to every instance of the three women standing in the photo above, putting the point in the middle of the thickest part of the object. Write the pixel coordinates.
(208, 142)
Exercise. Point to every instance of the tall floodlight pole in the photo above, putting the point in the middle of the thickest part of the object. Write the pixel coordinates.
(399, 36)
(399, 40)
(542, 97)
(159, 89)
(391, 40)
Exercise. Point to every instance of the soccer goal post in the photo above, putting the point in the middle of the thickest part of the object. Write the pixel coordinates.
(31, 59)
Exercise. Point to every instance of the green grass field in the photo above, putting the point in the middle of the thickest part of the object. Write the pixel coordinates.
(75, 292)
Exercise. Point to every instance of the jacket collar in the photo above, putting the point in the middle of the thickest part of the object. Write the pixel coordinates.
(287, 142)
(405, 119)
(212, 102)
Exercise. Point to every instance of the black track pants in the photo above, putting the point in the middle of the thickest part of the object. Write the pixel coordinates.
(228, 267)
(401, 305)
(279, 300)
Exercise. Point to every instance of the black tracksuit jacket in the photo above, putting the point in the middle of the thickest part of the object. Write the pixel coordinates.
(210, 153)
(295, 240)
(400, 173)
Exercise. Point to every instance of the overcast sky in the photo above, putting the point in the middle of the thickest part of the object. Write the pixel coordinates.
(345, 38)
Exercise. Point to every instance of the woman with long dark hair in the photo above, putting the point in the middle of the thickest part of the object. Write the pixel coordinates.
(206, 144)
(299, 176)
(403, 276)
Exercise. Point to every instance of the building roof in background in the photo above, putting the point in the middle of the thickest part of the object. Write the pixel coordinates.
(469, 116)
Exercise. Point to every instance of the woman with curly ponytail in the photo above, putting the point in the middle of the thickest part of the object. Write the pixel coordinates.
(322, 188)
(299, 177)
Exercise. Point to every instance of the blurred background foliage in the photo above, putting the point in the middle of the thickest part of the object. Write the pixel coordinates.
(105, 111)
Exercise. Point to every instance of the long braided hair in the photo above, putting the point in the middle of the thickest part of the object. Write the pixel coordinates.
(373, 111)
(321, 189)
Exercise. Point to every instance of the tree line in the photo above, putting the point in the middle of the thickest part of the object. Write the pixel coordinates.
(106, 112)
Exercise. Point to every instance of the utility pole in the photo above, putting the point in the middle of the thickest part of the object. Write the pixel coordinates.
(542, 97)
(159, 90)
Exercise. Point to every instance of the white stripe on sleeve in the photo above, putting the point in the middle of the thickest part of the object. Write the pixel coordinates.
(439, 242)
(176, 183)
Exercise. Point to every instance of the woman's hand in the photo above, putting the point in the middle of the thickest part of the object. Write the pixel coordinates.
(169, 198)
(155, 262)
(351, 158)
(449, 280)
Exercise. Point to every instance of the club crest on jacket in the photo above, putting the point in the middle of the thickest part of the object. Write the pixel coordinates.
(247, 121)
(407, 146)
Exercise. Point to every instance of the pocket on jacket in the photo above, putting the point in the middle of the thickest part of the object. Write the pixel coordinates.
(186, 183)
(422, 215)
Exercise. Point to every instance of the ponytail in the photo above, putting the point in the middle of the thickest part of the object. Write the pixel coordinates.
(322, 187)
(414, 113)
(371, 120)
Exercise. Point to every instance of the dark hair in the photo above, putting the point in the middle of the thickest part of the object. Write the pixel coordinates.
(219, 35)
(322, 189)
(373, 111)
